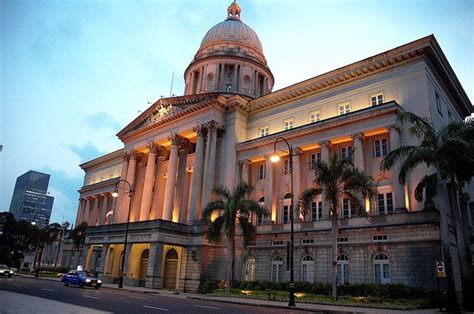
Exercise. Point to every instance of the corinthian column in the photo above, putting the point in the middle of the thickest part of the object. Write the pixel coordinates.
(154, 150)
(245, 171)
(358, 151)
(118, 210)
(196, 183)
(178, 210)
(93, 221)
(210, 162)
(325, 156)
(398, 189)
(171, 180)
(132, 163)
(105, 210)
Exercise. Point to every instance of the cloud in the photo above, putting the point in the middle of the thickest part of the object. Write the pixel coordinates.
(86, 151)
(102, 120)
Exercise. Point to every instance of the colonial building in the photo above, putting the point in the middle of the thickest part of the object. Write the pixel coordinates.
(222, 131)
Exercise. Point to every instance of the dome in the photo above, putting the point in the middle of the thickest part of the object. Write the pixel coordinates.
(232, 30)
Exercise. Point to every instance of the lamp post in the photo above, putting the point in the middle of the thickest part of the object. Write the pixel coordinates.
(130, 191)
(37, 261)
(275, 158)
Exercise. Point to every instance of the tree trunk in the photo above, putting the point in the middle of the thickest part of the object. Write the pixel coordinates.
(229, 264)
(58, 250)
(334, 231)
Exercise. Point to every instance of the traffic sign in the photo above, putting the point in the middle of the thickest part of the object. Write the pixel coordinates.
(440, 272)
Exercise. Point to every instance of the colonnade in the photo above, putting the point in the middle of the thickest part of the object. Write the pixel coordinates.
(93, 209)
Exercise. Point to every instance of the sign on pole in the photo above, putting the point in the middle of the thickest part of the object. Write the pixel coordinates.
(440, 272)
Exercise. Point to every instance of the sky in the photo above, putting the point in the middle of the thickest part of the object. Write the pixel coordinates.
(74, 73)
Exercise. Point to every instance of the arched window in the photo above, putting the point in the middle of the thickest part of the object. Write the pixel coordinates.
(246, 83)
(250, 269)
(307, 269)
(381, 269)
(286, 208)
(277, 268)
(210, 81)
(342, 270)
(261, 218)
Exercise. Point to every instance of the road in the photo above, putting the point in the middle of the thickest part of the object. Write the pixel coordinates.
(118, 301)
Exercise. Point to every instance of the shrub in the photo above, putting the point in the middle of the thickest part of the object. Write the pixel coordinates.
(207, 286)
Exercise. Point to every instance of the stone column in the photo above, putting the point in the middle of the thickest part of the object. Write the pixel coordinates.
(171, 180)
(153, 276)
(196, 183)
(210, 163)
(180, 180)
(268, 190)
(103, 259)
(296, 184)
(128, 260)
(358, 157)
(234, 79)
(80, 211)
(325, 145)
(147, 195)
(105, 209)
(398, 189)
(133, 155)
(245, 177)
(93, 221)
(118, 210)
(86, 215)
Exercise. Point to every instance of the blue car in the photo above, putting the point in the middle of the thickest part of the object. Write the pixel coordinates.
(81, 278)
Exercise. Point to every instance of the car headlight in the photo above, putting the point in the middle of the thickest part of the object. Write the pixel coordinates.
(99, 281)
(11, 271)
(88, 280)
(2, 271)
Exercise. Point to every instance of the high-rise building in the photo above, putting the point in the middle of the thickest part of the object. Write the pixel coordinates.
(30, 201)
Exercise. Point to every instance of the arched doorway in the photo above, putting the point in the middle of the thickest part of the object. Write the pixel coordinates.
(171, 270)
(143, 268)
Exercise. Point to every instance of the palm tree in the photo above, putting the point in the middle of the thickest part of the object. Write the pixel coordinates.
(64, 227)
(231, 207)
(45, 236)
(78, 236)
(449, 152)
(332, 180)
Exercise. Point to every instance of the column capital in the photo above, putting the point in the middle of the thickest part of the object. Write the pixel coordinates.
(325, 143)
(177, 140)
(394, 127)
(156, 149)
(245, 162)
(133, 154)
(358, 135)
(200, 130)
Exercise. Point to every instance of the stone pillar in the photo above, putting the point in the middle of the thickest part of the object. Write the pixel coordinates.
(86, 215)
(210, 163)
(358, 157)
(245, 177)
(235, 79)
(196, 183)
(179, 203)
(104, 210)
(80, 211)
(398, 189)
(103, 260)
(154, 149)
(222, 77)
(325, 145)
(93, 220)
(133, 155)
(268, 190)
(296, 184)
(118, 209)
(155, 257)
(128, 260)
(171, 180)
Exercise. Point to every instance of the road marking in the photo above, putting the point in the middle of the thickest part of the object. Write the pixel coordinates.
(207, 307)
(47, 289)
(141, 298)
(15, 284)
(155, 308)
(91, 297)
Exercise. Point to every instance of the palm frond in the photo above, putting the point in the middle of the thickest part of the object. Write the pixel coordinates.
(427, 186)
(307, 197)
(421, 129)
(211, 207)
(221, 192)
(247, 207)
(394, 156)
(357, 201)
(214, 231)
(242, 190)
(248, 230)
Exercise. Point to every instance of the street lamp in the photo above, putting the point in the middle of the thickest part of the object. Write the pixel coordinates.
(37, 261)
(276, 158)
(130, 191)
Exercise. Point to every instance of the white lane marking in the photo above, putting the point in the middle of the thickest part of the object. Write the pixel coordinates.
(141, 298)
(91, 297)
(155, 308)
(45, 289)
(207, 307)
(15, 284)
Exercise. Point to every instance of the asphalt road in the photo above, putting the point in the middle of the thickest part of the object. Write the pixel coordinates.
(122, 301)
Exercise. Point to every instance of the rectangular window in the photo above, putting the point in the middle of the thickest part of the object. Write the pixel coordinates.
(385, 203)
(263, 131)
(252, 243)
(346, 152)
(278, 243)
(316, 210)
(261, 171)
(438, 104)
(286, 166)
(381, 147)
(344, 108)
(314, 116)
(286, 213)
(376, 99)
(348, 209)
(379, 238)
(288, 124)
(343, 240)
(315, 157)
(307, 241)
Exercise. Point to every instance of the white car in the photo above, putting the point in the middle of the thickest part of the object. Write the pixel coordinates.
(5, 271)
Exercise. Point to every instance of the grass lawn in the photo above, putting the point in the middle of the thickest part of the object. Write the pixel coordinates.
(399, 304)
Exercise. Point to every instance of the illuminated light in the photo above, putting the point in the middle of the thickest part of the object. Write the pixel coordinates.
(88, 280)
(33, 223)
(115, 194)
(376, 132)
(214, 216)
(110, 212)
(367, 205)
(274, 214)
(99, 281)
(274, 158)
(407, 197)
(299, 294)
(246, 292)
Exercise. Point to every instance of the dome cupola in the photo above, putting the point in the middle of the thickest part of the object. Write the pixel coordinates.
(230, 59)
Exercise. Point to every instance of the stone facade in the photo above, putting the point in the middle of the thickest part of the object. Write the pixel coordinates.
(181, 147)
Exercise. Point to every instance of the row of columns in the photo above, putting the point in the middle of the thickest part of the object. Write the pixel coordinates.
(174, 201)
(358, 161)
(93, 209)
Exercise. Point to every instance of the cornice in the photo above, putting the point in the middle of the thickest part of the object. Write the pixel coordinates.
(106, 183)
(103, 159)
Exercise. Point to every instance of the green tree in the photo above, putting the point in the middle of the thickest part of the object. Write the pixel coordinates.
(449, 152)
(334, 179)
(231, 208)
(78, 236)
(45, 236)
(64, 227)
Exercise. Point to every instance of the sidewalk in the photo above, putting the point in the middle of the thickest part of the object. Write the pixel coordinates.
(308, 307)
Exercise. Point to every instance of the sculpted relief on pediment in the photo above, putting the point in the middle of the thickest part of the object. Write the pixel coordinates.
(162, 111)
